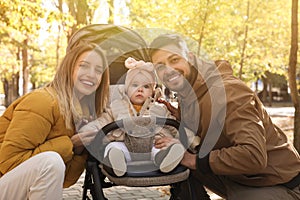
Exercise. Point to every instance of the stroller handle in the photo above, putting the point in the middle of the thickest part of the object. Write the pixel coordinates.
(153, 120)
(96, 150)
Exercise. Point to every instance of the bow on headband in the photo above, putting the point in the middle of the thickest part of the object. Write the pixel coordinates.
(131, 63)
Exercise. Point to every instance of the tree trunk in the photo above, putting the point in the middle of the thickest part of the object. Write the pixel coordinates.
(202, 29)
(25, 70)
(245, 41)
(111, 11)
(78, 10)
(292, 73)
(11, 89)
(264, 93)
(60, 27)
(270, 92)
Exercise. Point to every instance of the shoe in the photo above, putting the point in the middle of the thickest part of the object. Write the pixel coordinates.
(168, 159)
(117, 161)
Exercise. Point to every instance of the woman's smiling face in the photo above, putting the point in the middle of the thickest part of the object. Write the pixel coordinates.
(87, 73)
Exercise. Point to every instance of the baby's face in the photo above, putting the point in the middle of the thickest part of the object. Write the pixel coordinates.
(139, 90)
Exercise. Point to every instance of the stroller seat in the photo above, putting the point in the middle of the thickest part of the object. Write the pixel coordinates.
(144, 172)
(139, 174)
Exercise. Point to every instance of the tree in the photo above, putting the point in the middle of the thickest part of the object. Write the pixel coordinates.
(15, 36)
(244, 40)
(292, 73)
(110, 11)
(241, 32)
(79, 10)
(252, 35)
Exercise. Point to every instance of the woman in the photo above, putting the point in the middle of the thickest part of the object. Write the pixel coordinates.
(40, 152)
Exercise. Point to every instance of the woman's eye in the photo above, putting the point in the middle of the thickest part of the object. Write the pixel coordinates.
(146, 86)
(99, 70)
(83, 65)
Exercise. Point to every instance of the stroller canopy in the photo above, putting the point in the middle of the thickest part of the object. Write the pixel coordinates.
(117, 41)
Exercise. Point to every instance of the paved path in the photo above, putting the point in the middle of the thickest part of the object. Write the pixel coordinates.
(123, 193)
(147, 193)
(281, 111)
(120, 192)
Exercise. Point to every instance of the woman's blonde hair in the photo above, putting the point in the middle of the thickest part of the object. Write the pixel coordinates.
(63, 84)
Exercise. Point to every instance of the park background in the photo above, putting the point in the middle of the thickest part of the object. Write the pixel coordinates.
(257, 37)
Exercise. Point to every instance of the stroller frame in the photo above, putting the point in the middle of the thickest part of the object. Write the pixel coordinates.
(94, 177)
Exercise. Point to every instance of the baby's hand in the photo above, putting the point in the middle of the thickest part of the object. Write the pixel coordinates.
(174, 111)
(81, 123)
(164, 142)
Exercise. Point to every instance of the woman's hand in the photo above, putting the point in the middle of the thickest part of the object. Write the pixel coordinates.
(174, 111)
(80, 140)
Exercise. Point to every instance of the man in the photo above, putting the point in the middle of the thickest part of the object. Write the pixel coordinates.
(242, 154)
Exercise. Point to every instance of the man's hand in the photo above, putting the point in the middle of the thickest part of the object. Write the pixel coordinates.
(189, 160)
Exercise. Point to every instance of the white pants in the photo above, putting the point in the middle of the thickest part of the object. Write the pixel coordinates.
(122, 147)
(38, 178)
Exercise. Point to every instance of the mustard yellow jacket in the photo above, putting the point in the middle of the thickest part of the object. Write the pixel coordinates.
(33, 124)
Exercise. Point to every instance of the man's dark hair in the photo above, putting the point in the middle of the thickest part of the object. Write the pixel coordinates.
(166, 39)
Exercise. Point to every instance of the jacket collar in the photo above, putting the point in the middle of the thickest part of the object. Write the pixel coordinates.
(196, 84)
(204, 75)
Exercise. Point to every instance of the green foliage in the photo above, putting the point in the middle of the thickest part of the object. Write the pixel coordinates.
(18, 20)
(216, 28)
(219, 27)
(43, 64)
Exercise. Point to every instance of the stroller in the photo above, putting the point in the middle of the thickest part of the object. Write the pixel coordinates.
(119, 43)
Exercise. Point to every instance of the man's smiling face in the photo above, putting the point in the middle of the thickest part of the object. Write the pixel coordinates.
(172, 67)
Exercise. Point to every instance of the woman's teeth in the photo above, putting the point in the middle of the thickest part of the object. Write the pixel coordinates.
(88, 83)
